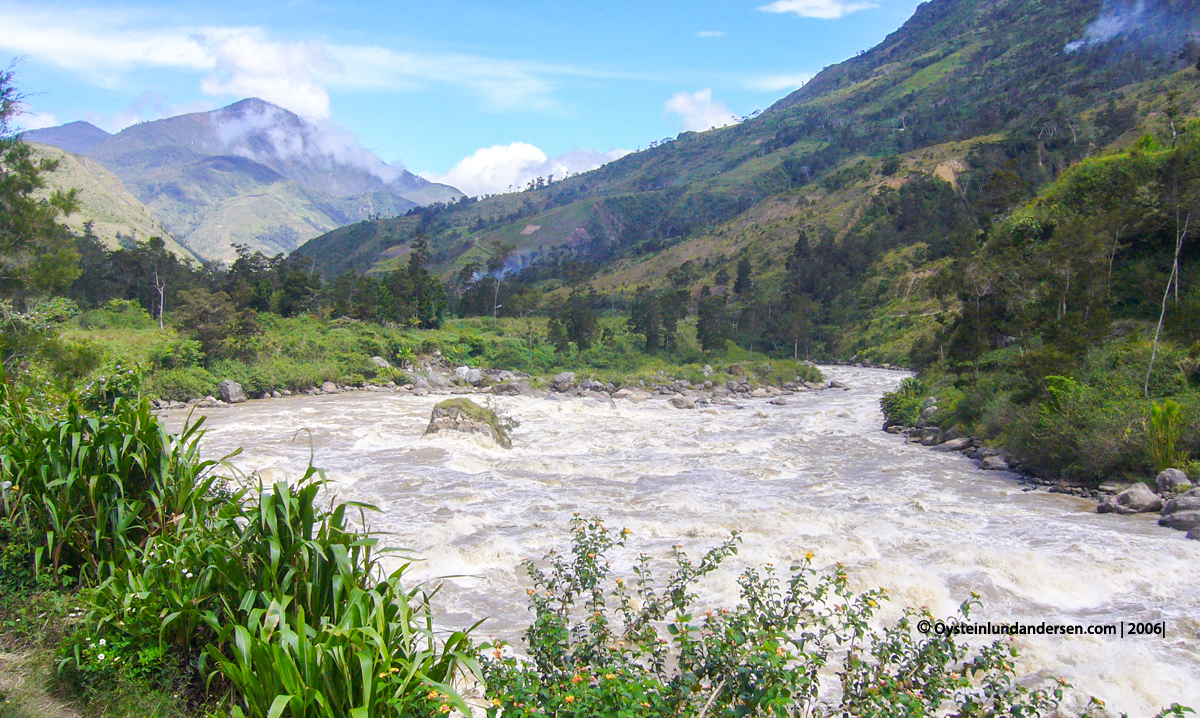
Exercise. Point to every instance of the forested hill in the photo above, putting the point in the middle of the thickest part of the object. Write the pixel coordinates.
(1026, 87)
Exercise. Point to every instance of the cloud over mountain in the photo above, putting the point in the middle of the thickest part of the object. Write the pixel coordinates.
(699, 111)
(505, 168)
(821, 9)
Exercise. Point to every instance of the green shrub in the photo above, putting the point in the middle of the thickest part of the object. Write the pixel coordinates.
(604, 647)
(117, 379)
(181, 384)
(175, 352)
(1164, 424)
(903, 406)
(118, 314)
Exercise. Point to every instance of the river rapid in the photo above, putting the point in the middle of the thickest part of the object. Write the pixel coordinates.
(815, 475)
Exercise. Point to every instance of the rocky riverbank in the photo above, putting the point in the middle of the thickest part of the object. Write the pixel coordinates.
(1172, 495)
(436, 376)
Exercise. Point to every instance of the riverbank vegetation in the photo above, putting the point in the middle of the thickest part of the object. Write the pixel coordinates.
(1079, 323)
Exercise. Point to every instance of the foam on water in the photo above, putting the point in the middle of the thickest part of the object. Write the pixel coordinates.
(816, 474)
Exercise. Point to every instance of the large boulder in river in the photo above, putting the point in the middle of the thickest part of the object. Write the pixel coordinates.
(1172, 481)
(1137, 499)
(468, 417)
(329, 388)
(683, 402)
(231, 392)
(1182, 512)
(513, 388)
(564, 381)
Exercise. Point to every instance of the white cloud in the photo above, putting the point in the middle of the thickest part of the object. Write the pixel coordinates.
(280, 73)
(242, 61)
(266, 133)
(699, 111)
(775, 83)
(504, 168)
(710, 33)
(821, 9)
(36, 121)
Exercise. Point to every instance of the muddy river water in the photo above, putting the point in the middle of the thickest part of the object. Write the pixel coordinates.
(815, 475)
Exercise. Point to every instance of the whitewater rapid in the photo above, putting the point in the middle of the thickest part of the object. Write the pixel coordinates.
(815, 475)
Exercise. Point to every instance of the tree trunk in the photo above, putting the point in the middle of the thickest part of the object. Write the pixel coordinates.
(1180, 234)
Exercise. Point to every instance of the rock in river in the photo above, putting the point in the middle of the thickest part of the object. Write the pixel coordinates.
(1137, 499)
(1172, 481)
(231, 392)
(466, 416)
(1182, 512)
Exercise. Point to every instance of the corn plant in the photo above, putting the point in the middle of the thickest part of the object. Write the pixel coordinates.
(93, 486)
(379, 657)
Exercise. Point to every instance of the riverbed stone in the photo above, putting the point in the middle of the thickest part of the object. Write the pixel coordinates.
(682, 402)
(1194, 533)
(953, 445)
(778, 401)
(563, 381)
(469, 374)
(231, 392)
(329, 387)
(1137, 499)
(464, 415)
(994, 463)
(437, 380)
(513, 388)
(1182, 512)
(760, 393)
(1172, 481)
(1182, 520)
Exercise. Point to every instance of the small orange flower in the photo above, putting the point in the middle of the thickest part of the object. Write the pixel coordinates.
(808, 555)
(610, 676)
(569, 699)
(444, 708)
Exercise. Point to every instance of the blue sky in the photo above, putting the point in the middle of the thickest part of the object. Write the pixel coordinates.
(481, 94)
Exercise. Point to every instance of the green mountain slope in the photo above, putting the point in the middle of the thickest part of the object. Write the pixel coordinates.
(959, 73)
(104, 201)
(255, 174)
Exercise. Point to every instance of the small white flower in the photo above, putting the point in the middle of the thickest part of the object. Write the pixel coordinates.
(103, 642)
(100, 657)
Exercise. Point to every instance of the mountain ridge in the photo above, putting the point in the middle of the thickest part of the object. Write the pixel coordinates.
(250, 173)
(956, 71)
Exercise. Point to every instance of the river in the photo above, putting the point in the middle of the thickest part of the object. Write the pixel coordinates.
(815, 475)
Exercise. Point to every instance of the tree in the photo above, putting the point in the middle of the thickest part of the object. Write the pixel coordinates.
(209, 317)
(37, 256)
(712, 322)
(743, 285)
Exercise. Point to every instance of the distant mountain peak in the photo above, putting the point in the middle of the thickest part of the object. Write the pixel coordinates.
(77, 137)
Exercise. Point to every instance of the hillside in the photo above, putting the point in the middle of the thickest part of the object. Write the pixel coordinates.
(115, 214)
(981, 88)
(251, 173)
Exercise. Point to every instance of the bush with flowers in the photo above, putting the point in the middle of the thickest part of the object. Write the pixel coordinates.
(637, 648)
